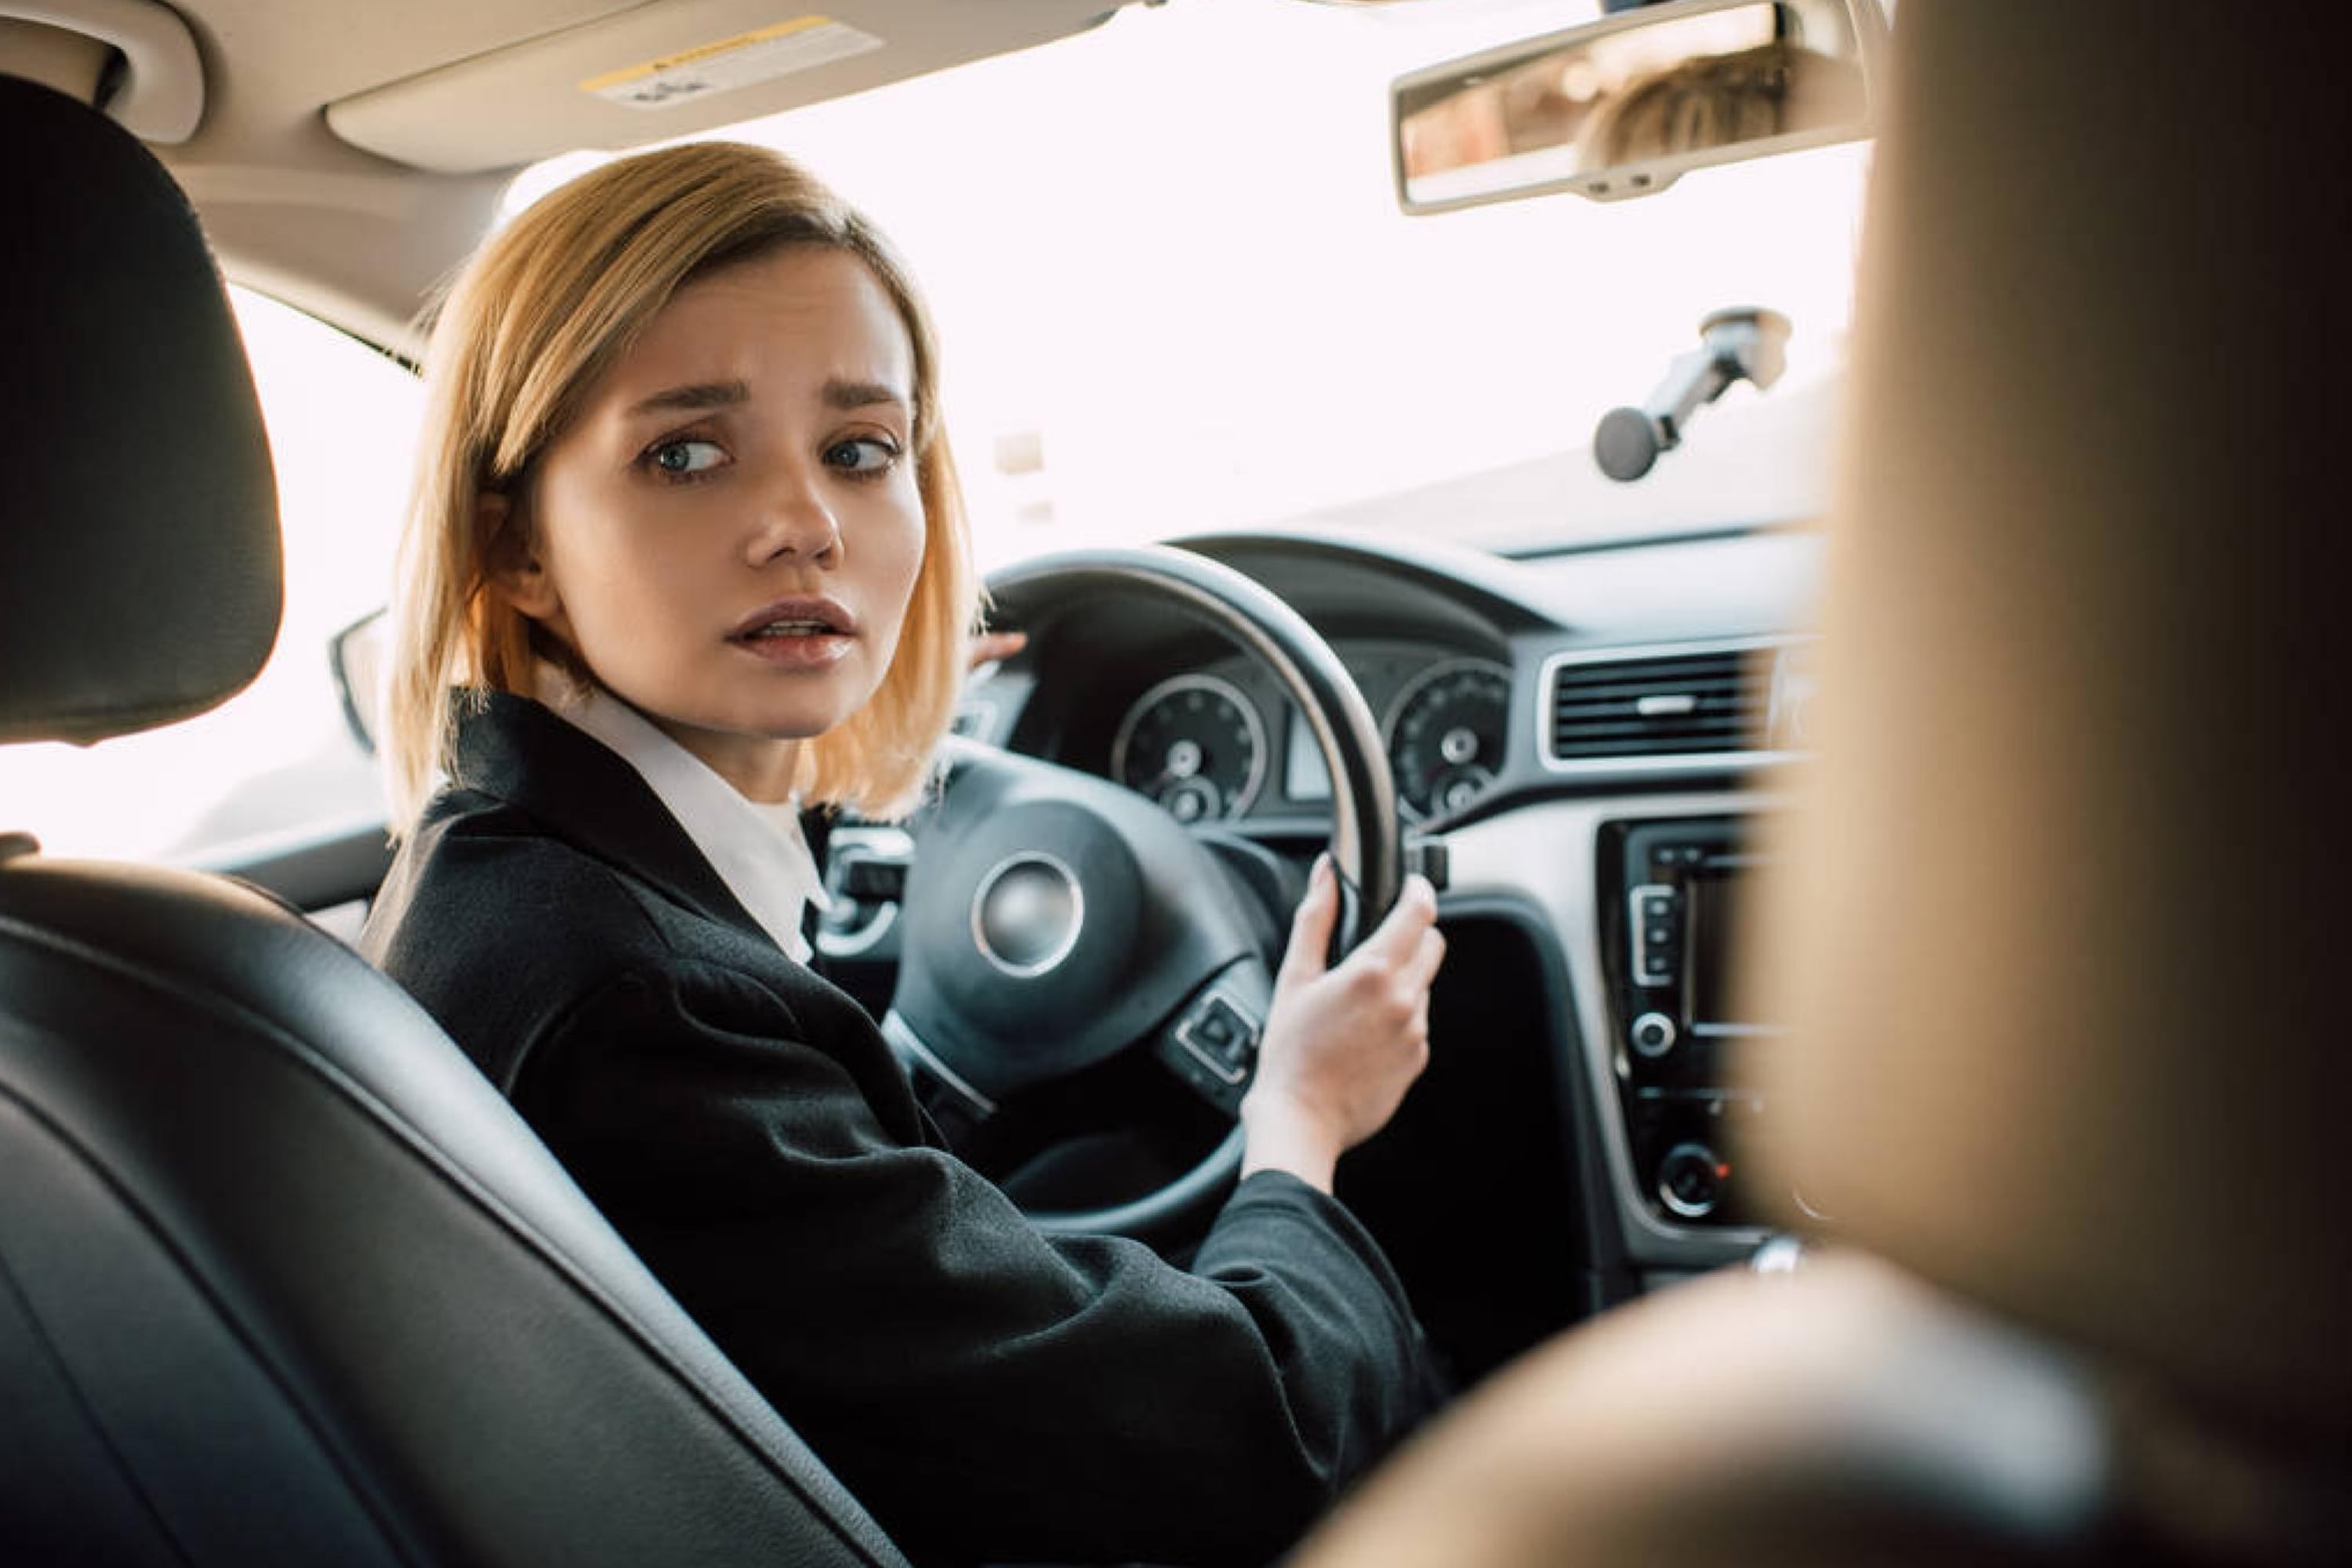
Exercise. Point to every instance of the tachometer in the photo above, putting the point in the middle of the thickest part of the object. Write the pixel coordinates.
(1195, 744)
(1445, 735)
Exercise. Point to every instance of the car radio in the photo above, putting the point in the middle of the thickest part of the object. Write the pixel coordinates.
(1673, 898)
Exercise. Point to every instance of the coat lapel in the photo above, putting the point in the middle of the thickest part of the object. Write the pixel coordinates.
(517, 749)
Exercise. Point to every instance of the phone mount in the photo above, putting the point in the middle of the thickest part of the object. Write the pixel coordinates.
(1743, 343)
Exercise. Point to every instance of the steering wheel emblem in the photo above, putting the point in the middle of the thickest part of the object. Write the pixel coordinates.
(1026, 916)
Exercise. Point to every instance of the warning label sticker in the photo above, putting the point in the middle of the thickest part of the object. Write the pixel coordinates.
(744, 60)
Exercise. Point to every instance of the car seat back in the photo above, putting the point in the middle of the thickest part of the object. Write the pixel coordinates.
(2055, 926)
(282, 1278)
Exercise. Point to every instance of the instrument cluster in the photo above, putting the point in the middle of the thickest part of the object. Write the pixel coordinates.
(1224, 743)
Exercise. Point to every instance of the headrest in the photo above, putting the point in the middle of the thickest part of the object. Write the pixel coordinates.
(2063, 931)
(138, 555)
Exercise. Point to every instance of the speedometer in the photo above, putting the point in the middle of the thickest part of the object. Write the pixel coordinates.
(1445, 735)
(1195, 744)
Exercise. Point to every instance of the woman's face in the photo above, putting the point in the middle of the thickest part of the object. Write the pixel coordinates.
(728, 534)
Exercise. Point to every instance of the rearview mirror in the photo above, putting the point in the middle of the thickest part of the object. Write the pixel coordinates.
(1627, 106)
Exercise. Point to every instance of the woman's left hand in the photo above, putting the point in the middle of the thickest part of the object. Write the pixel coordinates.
(987, 648)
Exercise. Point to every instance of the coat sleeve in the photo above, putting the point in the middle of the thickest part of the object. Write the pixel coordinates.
(989, 1393)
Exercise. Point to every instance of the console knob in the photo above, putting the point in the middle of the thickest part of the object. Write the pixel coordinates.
(1654, 1034)
(1690, 1180)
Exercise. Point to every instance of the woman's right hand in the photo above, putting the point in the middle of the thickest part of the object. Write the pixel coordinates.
(1342, 1045)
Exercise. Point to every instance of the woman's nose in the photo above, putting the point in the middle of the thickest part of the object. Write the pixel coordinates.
(798, 521)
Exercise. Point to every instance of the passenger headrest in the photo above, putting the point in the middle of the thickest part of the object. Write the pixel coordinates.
(139, 554)
(2063, 931)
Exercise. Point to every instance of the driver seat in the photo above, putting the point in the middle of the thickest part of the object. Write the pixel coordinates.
(282, 1278)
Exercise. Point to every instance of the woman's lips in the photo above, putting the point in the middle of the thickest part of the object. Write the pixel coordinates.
(797, 634)
(795, 644)
(813, 613)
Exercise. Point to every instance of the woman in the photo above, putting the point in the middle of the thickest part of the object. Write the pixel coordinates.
(688, 544)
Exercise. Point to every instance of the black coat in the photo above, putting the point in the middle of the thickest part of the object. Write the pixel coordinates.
(990, 1392)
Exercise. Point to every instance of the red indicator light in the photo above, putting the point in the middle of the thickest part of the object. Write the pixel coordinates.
(1722, 1172)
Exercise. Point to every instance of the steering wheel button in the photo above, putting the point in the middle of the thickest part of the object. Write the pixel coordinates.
(1219, 1038)
(1224, 1071)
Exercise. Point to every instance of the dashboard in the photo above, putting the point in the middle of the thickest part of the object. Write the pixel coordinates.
(1569, 728)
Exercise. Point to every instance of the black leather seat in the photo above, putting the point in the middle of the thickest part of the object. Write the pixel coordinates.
(282, 1280)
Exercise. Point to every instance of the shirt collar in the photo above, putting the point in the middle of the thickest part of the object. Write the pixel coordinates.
(757, 849)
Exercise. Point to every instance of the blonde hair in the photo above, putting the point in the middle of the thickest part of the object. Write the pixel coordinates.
(1718, 100)
(529, 325)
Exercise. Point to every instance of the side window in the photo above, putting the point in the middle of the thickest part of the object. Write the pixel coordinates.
(276, 762)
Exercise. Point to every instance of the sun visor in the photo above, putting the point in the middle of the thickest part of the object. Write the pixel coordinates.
(657, 71)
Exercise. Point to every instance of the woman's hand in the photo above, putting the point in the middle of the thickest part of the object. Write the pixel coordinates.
(987, 648)
(1342, 1045)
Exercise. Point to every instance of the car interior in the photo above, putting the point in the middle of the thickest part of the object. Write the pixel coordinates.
(1883, 1080)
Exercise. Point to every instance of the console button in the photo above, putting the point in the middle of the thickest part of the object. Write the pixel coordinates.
(883, 881)
(1654, 1034)
(1656, 911)
(1691, 1179)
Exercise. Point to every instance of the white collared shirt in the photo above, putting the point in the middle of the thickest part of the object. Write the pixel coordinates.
(757, 849)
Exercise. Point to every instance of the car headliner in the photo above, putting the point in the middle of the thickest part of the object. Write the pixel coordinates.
(359, 237)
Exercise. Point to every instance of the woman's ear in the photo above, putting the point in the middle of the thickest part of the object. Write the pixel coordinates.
(515, 568)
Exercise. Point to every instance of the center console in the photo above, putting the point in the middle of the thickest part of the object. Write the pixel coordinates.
(1672, 896)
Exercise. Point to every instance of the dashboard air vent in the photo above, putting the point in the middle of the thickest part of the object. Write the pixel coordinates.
(1696, 703)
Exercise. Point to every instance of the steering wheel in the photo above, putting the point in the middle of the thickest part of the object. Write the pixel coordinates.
(1054, 921)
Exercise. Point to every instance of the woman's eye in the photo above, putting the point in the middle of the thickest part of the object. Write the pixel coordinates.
(681, 457)
(862, 455)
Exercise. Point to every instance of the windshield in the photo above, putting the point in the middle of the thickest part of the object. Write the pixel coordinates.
(1177, 294)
